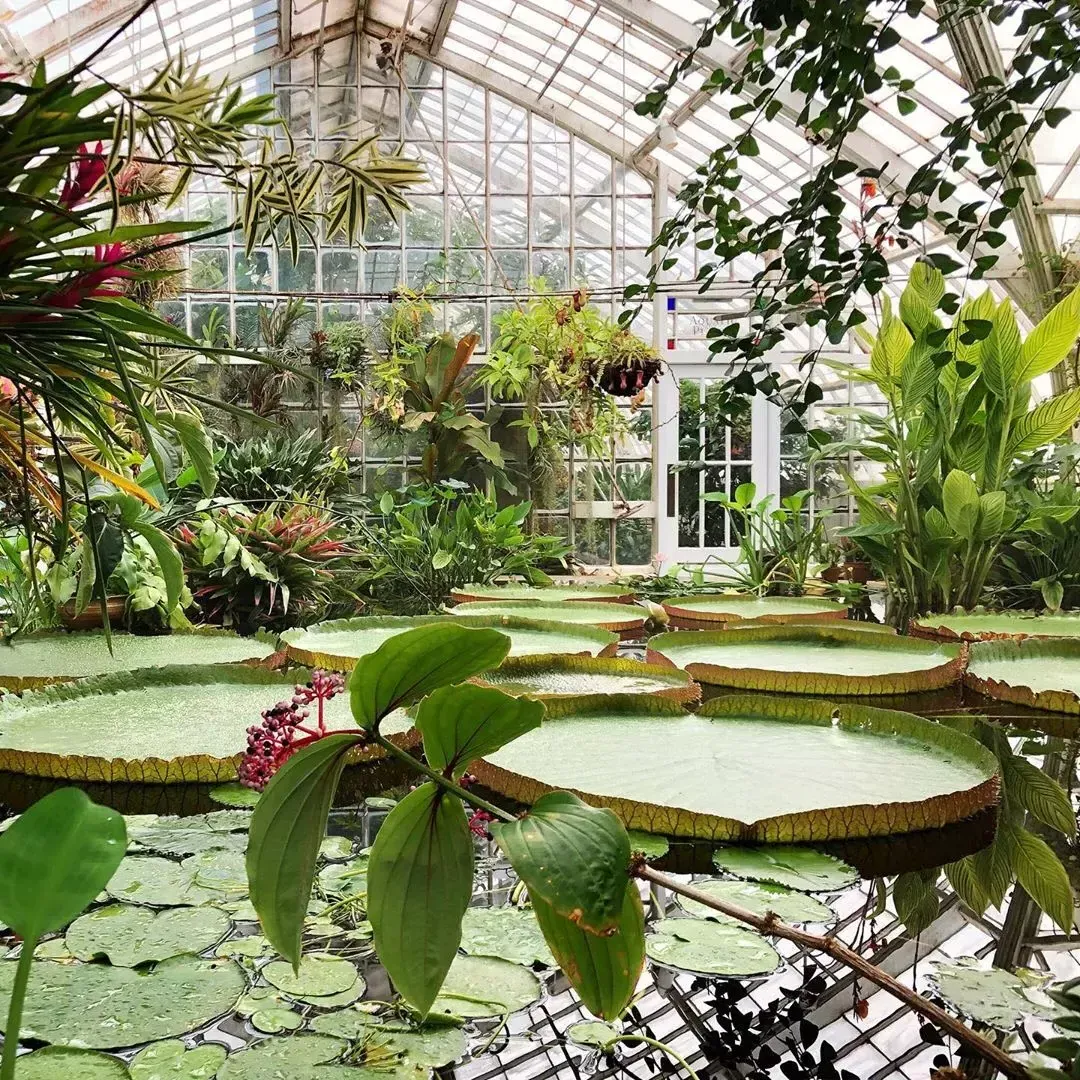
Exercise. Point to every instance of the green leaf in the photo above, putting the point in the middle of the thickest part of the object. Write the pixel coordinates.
(441, 559)
(408, 666)
(963, 876)
(1041, 874)
(463, 723)
(572, 856)
(287, 827)
(1048, 344)
(55, 859)
(1048, 420)
(991, 518)
(916, 902)
(1001, 353)
(197, 449)
(1038, 793)
(386, 502)
(420, 876)
(890, 350)
(169, 561)
(960, 501)
(603, 969)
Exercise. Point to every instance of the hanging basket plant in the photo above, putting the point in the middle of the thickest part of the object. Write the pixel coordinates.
(631, 366)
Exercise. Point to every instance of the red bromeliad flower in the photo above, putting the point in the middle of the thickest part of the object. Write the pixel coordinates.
(283, 730)
(84, 174)
(89, 283)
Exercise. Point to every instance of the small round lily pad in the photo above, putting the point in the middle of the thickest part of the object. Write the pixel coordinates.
(479, 986)
(310, 1057)
(335, 848)
(319, 976)
(649, 845)
(275, 1021)
(343, 880)
(432, 1045)
(592, 1033)
(129, 935)
(506, 932)
(760, 898)
(784, 864)
(69, 1063)
(711, 948)
(172, 1060)
(234, 795)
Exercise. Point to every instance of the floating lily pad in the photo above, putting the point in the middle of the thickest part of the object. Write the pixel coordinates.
(340, 643)
(70, 1063)
(336, 848)
(259, 998)
(711, 610)
(761, 898)
(652, 847)
(992, 995)
(158, 882)
(275, 1021)
(1040, 673)
(794, 867)
(252, 948)
(104, 1008)
(53, 949)
(186, 836)
(172, 1060)
(624, 619)
(827, 659)
(548, 594)
(711, 948)
(33, 660)
(592, 1033)
(319, 976)
(575, 676)
(750, 768)
(310, 1057)
(988, 625)
(432, 1045)
(343, 880)
(174, 725)
(223, 871)
(479, 986)
(234, 795)
(128, 936)
(506, 932)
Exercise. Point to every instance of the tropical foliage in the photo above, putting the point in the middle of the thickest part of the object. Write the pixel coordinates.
(960, 419)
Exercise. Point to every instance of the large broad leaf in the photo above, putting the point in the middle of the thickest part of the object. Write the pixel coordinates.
(960, 501)
(1047, 345)
(420, 877)
(1041, 874)
(197, 448)
(603, 969)
(287, 827)
(408, 666)
(1001, 354)
(1046, 422)
(572, 856)
(55, 859)
(169, 561)
(1039, 794)
(462, 723)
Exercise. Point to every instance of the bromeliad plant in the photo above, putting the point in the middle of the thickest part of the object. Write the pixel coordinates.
(959, 422)
(574, 859)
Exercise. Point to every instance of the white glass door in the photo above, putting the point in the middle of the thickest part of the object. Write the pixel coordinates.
(702, 448)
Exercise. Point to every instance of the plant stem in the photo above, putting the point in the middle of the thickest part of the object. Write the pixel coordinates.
(445, 782)
(15, 1009)
(656, 1044)
(770, 924)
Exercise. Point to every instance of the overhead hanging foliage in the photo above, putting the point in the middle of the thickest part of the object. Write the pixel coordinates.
(817, 64)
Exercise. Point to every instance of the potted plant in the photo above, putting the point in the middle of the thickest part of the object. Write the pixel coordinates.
(841, 562)
(631, 366)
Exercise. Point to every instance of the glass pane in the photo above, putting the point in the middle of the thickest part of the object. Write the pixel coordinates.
(689, 419)
(715, 514)
(689, 481)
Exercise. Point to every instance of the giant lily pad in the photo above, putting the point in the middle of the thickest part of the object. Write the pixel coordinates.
(478, 986)
(627, 620)
(69, 1063)
(546, 594)
(128, 935)
(575, 676)
(709, 611)
(811, 660)
(34, 660)
(760, 898)
(105, 1008)
(711, 948)
(507, 932)
(989, 625)
(174, 725)
(338, 644)
(991, 995)
(1031, 671)
(750, 769)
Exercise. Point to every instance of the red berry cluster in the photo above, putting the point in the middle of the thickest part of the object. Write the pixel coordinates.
(284, 729)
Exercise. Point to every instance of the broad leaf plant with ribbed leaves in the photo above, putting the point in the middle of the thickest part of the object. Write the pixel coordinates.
(961, 416)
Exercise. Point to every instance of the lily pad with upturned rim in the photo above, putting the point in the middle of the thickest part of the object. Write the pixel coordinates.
(826, 660)
(750, 769)
(107, 1008)
(799, 868)
(761, 898)
(713, 610)
(580, 676)
(1038, 672)
(481, 986)
(627, 620)
(35, 660)
(720, 949)
(167, 726)
(992, 625)
(338, 644)
(548, 594)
